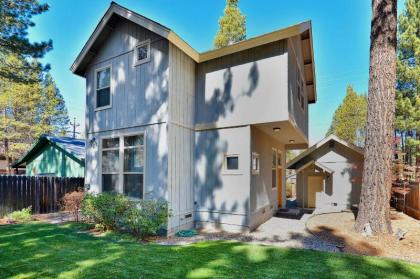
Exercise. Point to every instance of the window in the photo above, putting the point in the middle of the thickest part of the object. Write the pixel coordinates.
(279, 158)
(255, 161)
(110, 164)
(123, 165)
(133, 166)
(299, 89)
(103, 88)
(142, 53)
(274, 168)
(232, 162)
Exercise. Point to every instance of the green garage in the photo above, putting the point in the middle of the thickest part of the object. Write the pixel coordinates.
(55, 156)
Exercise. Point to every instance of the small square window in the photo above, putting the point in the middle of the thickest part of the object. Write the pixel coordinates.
(232, 162)
(142, 53)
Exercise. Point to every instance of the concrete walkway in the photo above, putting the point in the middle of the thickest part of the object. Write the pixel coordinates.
(284, 232)
(276, 231)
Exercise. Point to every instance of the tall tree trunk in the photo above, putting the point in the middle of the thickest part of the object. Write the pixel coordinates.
(373, 215)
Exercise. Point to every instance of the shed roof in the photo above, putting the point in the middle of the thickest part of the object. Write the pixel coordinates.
(296, 163)
(73, 147)
(116, 11)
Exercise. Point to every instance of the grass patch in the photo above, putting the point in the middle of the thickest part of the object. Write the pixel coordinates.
(38, 250)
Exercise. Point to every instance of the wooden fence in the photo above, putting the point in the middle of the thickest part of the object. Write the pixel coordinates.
(406, 198)
(42, 193)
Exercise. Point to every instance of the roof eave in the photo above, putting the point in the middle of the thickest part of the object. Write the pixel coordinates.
(78, 66)
(114, 8)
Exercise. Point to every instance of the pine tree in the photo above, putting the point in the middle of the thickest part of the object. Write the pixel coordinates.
(15, 19)
(349, 120)
(232, 27)
(407, 117)
(373, 215)
(29, 110)
(53, 115)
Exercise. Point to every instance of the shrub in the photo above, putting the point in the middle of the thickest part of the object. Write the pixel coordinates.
(72, 202)
(106, 210)
(20, 216)
(146, 217)
(110, 211)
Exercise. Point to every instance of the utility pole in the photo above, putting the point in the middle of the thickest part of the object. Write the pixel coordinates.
(74, 124)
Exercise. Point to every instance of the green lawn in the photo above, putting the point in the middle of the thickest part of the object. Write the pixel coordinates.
(40, 250)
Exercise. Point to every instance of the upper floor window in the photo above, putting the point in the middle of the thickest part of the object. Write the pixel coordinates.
(299, 86)
(103, 88)
(142, 53)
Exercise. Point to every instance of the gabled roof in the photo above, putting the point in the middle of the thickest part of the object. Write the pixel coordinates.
(293, 164)
(116, 11)
(75, 148)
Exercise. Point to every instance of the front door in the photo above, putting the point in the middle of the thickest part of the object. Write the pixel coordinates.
(315, 184)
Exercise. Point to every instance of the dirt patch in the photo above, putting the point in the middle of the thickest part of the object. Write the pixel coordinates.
(338, 229)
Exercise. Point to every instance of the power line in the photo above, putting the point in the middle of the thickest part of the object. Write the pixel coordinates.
(75, 125)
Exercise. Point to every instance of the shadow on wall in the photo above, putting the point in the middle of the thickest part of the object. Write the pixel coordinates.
(210, 150)
(354, 173)
(136, 90)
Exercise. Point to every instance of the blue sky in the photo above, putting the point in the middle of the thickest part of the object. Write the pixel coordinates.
(340, 31)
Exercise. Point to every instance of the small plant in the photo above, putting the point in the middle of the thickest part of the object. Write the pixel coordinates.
(20, 216)
(72, 202)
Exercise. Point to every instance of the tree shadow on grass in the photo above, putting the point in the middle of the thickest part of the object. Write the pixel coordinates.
(50, 251)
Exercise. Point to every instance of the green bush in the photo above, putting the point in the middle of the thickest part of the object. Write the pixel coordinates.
(106, 210)
(21, 216)
(117, 212)
(146, 217)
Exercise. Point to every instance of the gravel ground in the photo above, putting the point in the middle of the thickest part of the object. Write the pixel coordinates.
(338, 229)
(279, 232)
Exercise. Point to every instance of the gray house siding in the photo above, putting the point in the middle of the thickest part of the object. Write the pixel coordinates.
(263, 196)
(139, 98)
(139, 94)
(156, 159)
(222, 197)
(295, 61)
(243, 88)
(193, 115)
(181, 138)
(342, 188)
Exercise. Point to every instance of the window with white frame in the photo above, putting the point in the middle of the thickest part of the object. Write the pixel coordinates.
(103, 88)
(232, 162)
(274, 168)
(142, 53)
(123, 165)
(110, 165)
(255, 161)
(133, 166)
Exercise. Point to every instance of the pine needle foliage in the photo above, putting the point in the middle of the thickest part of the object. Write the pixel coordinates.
(232, 26)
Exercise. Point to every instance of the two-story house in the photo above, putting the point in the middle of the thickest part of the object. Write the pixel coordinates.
(206, 131)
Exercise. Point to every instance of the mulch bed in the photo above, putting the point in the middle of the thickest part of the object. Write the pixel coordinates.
(338, 229)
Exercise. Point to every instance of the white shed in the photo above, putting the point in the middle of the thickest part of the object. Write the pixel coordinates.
(328, 175)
